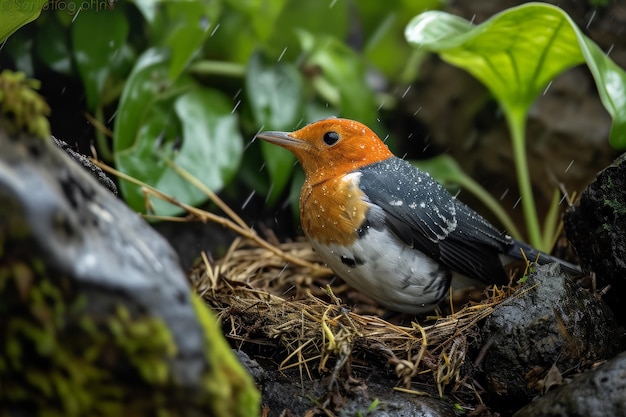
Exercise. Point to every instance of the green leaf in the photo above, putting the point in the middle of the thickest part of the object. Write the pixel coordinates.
(52, 46)
(162, 120)
(343, 73)
(274, 94)
(16, 14)
(518, 52)
(181, 26)
(97, 38)
(383, 24)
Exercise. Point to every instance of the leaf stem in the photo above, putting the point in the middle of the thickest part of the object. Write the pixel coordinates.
(207, 67)
(104, 148)
(517, 124)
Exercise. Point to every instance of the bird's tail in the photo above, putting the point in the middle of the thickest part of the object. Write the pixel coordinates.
(520, 250)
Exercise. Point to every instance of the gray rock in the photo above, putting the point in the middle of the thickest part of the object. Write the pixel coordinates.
(596, 227)
(597, 393)
(551, 325)
(97, 316)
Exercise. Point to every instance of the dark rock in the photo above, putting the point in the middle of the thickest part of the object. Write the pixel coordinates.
(291, 394)
(96, 316)
(89, 166)
(597, 393)
(596, 227)
(549, 327)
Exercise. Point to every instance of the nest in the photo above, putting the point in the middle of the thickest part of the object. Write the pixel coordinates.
(262, 298)
(280, 295)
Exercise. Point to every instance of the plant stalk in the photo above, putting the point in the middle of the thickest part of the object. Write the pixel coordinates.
(517, 125)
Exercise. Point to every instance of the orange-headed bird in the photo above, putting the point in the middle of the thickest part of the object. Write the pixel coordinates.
(385, 227)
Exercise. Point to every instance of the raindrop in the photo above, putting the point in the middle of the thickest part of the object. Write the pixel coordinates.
(593, 15)
(288, 289)
(504, 194)
(547, 87)
(236, 105)
(237, 95)
(382, 103)
(406, 91)
(283, 270)
(250, 142)
(563, 198)
(215, 29)
(204, 23)
(471, 22)
(282, 54)
(269, 192)
(245, 203)
(385, 139)
(62, 90)
(332, 4)
(262, 167)
(517, 202)
(610, 49)
(77, 13)
(570, 165)
(417, 111)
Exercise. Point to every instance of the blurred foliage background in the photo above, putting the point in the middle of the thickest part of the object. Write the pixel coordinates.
(150, 83)
(192, 82)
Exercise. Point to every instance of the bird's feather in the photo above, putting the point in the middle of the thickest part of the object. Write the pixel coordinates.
(428, 218)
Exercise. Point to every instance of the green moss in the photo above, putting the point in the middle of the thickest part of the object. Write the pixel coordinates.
(231, 388)
(20, 103)
(58, 359)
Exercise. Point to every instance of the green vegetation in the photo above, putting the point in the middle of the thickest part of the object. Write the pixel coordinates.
(516, 54)
(190, 83)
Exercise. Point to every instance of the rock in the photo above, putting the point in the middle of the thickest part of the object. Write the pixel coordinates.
(550, 326)
(96, 316)
(89, 166)
(597, 393)
(596, 227)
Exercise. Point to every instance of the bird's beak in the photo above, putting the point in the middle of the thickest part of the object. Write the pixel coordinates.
(283, 139)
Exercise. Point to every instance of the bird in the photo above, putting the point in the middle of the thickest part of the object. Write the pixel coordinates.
(387, 228)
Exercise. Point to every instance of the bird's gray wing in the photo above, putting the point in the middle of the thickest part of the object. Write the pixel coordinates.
(428, 218)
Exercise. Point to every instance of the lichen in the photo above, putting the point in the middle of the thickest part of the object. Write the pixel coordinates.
(20, 103)
(231, 388)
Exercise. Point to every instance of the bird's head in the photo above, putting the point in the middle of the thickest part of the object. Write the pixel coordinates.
(331, 147)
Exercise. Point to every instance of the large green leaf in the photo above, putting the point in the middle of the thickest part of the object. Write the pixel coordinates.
(16, 14)
(97, 39)
(181, 26)
(518, 52)
(274, 94)
(343, 72)
(52, 46)
(161, 120)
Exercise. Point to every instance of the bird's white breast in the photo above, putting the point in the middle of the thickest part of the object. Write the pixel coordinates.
(384, 268)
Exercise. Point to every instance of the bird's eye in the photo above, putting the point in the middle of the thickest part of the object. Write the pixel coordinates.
(330, 138)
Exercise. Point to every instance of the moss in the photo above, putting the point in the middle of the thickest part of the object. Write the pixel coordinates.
(57, 359)
(20, 103)
(231, 388)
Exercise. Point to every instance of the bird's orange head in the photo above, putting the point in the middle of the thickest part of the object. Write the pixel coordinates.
(331, 147)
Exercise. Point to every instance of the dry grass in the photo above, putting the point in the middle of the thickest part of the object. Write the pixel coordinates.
(261, 298)
(278, 294)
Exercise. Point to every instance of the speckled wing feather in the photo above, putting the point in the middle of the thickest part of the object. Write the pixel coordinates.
(425, 216)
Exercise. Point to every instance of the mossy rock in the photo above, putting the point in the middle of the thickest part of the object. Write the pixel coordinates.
(96, 316)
